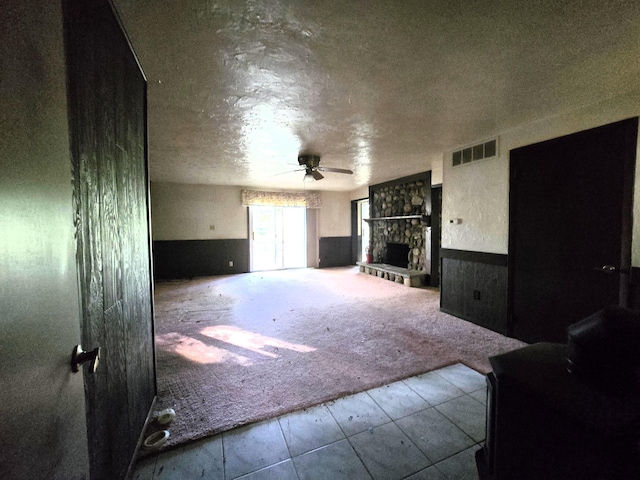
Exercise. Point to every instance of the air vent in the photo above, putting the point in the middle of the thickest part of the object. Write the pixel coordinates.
(472, 153)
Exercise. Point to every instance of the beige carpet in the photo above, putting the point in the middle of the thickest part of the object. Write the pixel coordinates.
(237, 349)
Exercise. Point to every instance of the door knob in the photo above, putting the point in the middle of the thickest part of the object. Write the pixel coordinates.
(611, 269)
(606, 269)
(79, 357)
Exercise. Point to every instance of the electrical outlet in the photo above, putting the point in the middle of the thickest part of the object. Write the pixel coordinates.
(231, 263)
(212, 227)
(476, 294)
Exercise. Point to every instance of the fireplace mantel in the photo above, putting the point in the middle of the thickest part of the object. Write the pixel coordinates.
(423, 218)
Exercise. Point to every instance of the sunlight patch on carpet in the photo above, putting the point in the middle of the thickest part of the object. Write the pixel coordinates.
(252, 341)
(197, 351)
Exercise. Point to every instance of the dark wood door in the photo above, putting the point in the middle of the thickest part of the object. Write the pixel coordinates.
(570, 214)
(107, 111)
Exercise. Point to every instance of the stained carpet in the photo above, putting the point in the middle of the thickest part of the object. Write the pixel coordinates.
(236, 349)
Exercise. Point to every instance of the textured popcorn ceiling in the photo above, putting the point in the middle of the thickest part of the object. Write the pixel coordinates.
(237, 89)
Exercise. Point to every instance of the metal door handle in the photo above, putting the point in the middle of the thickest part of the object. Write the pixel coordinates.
(606, 269)
(609, 269)
(79, 357)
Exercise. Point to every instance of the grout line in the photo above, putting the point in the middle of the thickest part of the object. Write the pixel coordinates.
(224, 457)
(295, 469)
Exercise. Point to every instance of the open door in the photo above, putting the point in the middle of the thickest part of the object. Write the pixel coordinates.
(43, 431)
(107, 127)
(570, 214)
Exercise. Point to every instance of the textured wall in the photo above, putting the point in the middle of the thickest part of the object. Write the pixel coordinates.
(360, 193)
(334, 218)
(186, 212)
(478, 192)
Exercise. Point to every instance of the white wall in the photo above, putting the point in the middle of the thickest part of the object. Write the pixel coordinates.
(478, 192)
(436, 172)
(186, 212)
(334, 218)
(42, 405)
(359, 193)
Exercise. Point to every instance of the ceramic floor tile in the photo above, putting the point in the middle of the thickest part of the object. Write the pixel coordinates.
(262, 451)
(201, 459)
(388, 453)
(431, 473)
(357, 413)
(461, 466)
(480, 395)
(253, 447)
(434, 434)
(433, 388)
(333, 462)
(145, 468)
(279, 471)
(463, 377)
(309, 429)
(398, 400)
(468, 414)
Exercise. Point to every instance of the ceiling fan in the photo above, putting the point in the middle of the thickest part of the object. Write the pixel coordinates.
(312, 168)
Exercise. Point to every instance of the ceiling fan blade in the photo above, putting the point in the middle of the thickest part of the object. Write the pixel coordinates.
(317, 175)
(335, 170)
(288, 171)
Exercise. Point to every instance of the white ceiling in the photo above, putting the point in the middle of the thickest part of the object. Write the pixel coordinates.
(237, 89)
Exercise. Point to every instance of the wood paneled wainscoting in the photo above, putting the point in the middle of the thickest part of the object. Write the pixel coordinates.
(334, 252)
(199, 258)
(474, 286)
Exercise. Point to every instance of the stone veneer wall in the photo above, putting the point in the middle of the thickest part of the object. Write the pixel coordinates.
(395, 200)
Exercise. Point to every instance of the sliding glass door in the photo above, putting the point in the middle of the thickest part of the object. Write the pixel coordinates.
(278, 237)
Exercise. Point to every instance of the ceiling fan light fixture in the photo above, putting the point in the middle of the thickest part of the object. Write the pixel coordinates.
(312, 161)
(312, 168)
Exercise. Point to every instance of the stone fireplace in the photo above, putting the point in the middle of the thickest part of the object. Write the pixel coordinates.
(398, 217)
(400, 233)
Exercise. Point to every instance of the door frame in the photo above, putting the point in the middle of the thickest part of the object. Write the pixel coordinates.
(436, 233)
(357, 230)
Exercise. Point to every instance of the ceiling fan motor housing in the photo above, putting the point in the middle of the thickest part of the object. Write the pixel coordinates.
(310, 161)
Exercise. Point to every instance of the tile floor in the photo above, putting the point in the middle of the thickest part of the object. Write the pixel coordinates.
(424, 427)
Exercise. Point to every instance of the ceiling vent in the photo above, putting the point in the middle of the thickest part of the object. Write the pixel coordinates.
(480, 151)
